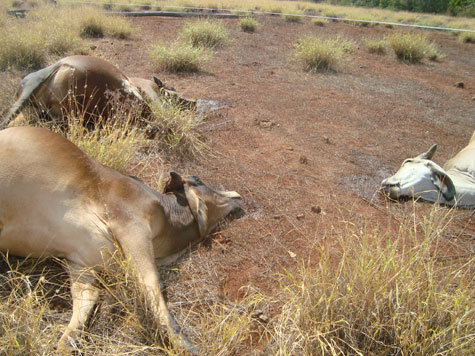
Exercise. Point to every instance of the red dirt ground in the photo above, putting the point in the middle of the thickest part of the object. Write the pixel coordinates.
(292, 143)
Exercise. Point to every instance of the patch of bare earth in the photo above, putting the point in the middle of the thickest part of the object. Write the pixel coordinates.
(306, 151)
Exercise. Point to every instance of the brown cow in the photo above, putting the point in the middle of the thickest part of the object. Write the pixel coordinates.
(57, 201)
(89, 86)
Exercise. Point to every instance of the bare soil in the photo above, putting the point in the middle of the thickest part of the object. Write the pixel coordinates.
(306, 151)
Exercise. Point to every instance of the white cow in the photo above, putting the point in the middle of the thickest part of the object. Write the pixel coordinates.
(420, 177)
(57, 201)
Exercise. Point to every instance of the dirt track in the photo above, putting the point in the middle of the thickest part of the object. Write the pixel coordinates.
(294, 143)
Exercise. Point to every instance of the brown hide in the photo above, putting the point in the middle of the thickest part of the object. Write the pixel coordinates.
(89, 87)
(57, 201)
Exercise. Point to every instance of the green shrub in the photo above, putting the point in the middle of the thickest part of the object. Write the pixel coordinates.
(179, 57)
(249, 24)
(206, 33)
(321, 54)
(412, 48)
(376, 46)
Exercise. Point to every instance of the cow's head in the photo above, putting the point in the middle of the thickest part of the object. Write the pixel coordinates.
(419, 177)
(207, 205)
(170, 93)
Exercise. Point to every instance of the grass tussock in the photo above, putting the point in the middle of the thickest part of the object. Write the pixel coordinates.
(94, 24)
(376, 293)
(53, 31)
(249, 24)
(176, 129)
(28, 43)
(319, 22)
(317, 55)
(206, 33)
(114, 144)
(179, 57)
(293, 18)
(36, 297)
(413, 48)
(467, 37)
(376, 46)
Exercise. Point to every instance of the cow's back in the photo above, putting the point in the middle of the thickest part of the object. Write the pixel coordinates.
(48, 199)
(464, 161)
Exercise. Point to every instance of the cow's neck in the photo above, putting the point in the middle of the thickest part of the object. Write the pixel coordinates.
(464, 187)
(179, 229)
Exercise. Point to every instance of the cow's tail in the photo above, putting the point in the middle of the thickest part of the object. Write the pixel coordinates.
(29, 86)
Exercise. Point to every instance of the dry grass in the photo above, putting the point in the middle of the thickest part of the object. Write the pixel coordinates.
(176, 129)
(50, 31)
(371, 293)
(249, 24)
(377, 46)
(378, 293)
(206, 33)
(467, 37)
(179, 57)
(94, 24)
(413, 47)
(318, 55)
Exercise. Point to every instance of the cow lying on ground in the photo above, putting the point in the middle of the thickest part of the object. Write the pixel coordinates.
(420, 177)
(57, 201)
(90, 87)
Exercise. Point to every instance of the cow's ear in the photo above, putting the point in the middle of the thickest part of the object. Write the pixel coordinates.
(174, 184)
(444, 184)
(429, 154)
(198, 209)
(158, 82)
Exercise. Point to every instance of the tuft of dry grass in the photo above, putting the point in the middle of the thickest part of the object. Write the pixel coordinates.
(413, 48)
(206, 33)
(249, 24)
(377, 46)
(293, 18)
(319, 22)
(318, 55)
(54, 31)
(179, 57)
(467, 37)
(176, 129)
(377, 293)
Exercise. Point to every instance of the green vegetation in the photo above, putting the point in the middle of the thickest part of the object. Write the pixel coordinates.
(249, 24)
(376, 45)
(206, 33)
(318, 55)
(412, 48)
(179, 57)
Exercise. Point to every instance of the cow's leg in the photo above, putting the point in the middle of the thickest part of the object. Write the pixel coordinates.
(84, 296)
(140, 251)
